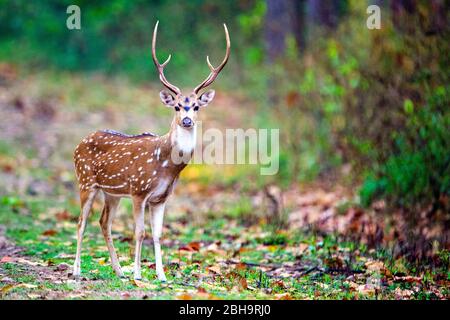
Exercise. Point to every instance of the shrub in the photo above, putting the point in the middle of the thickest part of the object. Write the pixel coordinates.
(418, 171)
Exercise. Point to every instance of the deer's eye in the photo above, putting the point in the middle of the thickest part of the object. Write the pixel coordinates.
(177, 108)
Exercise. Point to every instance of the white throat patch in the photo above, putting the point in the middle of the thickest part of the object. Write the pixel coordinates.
(185, 139)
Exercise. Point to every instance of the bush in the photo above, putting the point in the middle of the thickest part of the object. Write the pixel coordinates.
(115, 37)
(377, 100)
(418, 171)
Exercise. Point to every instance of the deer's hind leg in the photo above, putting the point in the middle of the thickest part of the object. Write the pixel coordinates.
(106, 220)
(87, 199)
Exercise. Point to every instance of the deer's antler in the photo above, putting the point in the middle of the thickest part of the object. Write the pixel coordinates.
(215, 71)
(160, 67)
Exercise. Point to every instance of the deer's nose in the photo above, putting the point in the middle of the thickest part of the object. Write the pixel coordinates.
(187, 122)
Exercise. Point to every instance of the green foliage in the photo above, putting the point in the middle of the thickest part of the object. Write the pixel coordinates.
(377, 100)
(311, 104)
(409, 142)
(419, 169)
(115, 36)
(274, 239)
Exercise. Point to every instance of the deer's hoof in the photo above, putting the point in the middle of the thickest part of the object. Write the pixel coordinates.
(162, 278)
(120, 274)
(75, 274)
(76, 277)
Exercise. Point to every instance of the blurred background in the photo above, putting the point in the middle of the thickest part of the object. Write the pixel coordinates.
(363, 114)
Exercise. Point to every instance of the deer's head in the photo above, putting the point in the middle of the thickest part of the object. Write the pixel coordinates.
(187, 106)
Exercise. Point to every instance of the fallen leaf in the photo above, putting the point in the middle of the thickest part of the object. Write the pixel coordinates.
(241, 266)
(62, 267)
(125, 295)
(302, 247)
(377, 267)
(279, 283)
(49, 232)
(282, 296)
(366, 289)
(9, 287)
(409, 279)
(401, 294)
(214, 269)
(335, 262)
(142, 284)
(7, 280)
(202, 293)
(214, 248)
(76, 295)
(6, 288)
(243, 284)
(63, 215)
(63, 255)
(184, 296)
(192, 246)
(6, 259)
(30, 263)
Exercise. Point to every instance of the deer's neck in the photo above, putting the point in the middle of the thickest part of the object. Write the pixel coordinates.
(182, 139)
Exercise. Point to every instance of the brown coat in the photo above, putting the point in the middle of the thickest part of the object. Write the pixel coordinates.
(127, 165)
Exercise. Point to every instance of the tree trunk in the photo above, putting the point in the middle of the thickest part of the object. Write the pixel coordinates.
(299, 25)
(400, 8)
(277, 26)
(326, 12)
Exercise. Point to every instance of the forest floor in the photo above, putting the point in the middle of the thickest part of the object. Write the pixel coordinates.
(225, 236)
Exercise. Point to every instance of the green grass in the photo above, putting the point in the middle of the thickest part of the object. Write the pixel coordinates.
(188, 272)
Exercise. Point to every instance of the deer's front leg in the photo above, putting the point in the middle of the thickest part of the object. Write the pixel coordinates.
(157, 224)
(139, 209)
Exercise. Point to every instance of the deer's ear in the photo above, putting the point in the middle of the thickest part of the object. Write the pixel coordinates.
(167, 98)
(206, 98)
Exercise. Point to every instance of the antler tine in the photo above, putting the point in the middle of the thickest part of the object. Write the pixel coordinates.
(159, 66)
(215, 71)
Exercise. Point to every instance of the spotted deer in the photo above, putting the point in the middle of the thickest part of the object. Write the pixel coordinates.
(141, 167)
